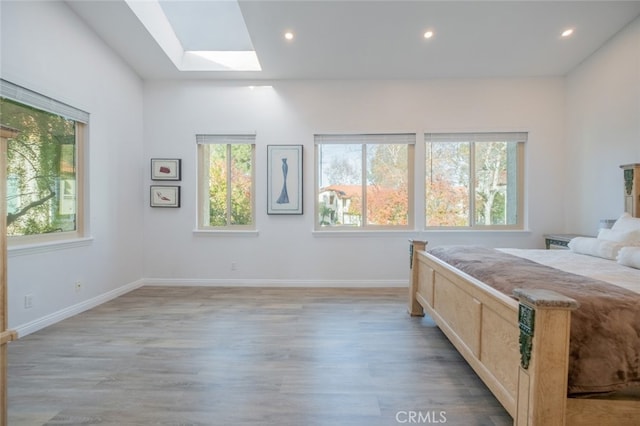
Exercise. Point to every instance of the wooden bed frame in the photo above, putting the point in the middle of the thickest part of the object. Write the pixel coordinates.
(520, 349)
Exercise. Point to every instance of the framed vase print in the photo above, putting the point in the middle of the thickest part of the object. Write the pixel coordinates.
(284, 179)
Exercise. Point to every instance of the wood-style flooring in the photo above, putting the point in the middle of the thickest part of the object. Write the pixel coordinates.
(246, 356)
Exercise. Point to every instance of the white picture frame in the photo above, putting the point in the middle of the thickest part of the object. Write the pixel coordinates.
(284, 179)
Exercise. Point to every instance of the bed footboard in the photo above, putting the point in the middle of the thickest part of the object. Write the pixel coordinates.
(519, 349)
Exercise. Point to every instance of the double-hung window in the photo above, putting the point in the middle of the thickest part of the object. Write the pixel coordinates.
(44, 164)
(474, 180)
(364, 181)
(226, 181)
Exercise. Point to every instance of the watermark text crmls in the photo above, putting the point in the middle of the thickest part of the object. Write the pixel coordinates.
(421, 417)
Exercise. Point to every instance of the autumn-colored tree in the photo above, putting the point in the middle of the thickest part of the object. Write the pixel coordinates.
(446, 204)
(449, 178)
(230, 205)
(447, 184)
(387, 206)
(387, 184)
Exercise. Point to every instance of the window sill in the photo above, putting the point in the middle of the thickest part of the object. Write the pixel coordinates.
(34, 248)
(476, 230)
(414, 233)
(225, 233)
(366, 233)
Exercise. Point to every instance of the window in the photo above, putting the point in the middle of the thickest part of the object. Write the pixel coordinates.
(474, 180)
(44, 167)
(364, 181)
(226, 181)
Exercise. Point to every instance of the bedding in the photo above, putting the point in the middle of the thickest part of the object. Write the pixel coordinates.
(595, 247)
(626, 223)
(605, 330)
(629, 238)
(630, 256)
(592, 267)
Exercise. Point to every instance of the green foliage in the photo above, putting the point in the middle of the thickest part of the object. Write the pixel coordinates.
(230, 204)
(38, 159)
(326, 215)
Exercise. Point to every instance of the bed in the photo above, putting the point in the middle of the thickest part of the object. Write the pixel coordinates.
(516, 331)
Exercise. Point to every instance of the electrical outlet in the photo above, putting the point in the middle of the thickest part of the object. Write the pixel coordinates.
(28, 301)
(234, 266)
(78, 286)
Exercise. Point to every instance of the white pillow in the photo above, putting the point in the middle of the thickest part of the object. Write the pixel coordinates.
(626, 223)
(628, 238)
(595, 247)
(629, 256)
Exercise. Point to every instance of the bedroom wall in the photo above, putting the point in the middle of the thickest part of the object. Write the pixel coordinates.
(603, 130)
(64, 59)
(599, 101)
(286, 251)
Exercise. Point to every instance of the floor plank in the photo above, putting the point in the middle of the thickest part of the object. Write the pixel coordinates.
(246, 356)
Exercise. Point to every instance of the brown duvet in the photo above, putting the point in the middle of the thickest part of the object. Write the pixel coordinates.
(605, 329)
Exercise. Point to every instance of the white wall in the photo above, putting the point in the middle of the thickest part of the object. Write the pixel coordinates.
(285, 250)
(569, 186)
(47, 48)
(603, 130)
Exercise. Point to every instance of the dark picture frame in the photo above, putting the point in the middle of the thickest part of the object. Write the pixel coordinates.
(166, 169)
(164, 196)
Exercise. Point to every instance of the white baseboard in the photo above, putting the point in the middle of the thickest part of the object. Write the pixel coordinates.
(196, 282)
(40, 323)
(70, 311)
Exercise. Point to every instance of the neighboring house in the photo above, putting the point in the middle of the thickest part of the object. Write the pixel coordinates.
(336, 202)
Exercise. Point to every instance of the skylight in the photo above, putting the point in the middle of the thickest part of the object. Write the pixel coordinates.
(209, 60)
(199, 36)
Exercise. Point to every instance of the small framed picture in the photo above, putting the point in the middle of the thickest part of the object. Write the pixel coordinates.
(165, 196)
(284, 179)
(166, 169)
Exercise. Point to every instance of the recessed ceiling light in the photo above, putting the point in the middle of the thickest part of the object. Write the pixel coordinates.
(288, 35)
(567, 32)
(428, 34)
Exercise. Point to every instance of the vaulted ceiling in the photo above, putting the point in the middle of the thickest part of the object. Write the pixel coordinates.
(358, 39)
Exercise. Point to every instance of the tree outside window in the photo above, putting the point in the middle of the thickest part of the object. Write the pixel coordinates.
(42, 171)
(364, 181)
(226, 183)
(474, 180)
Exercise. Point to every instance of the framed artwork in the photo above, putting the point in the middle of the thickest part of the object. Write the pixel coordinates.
(284, 179)
(166, 169)
(165, 196)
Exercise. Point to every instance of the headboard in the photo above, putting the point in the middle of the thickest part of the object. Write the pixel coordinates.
(631, 175)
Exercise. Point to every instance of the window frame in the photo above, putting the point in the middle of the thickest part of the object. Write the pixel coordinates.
(31, 99)
(203, 198)
(520, 138)
(361, 140)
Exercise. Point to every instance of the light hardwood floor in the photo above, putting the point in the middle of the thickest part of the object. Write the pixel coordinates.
(246, 356)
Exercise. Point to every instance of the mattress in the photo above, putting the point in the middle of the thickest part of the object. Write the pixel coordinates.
(589, 266)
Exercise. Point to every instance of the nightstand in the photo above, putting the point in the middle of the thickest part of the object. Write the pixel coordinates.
(559, 240)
